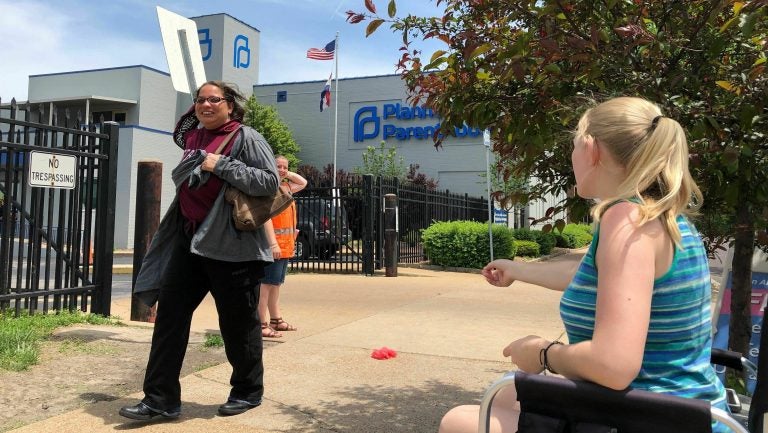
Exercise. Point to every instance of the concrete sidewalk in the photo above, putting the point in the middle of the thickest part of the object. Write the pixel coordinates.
(448, 329)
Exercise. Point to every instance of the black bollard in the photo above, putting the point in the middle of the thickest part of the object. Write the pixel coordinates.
(148, 189)
(391, 235)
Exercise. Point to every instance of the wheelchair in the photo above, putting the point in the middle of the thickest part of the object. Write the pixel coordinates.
(555, 404)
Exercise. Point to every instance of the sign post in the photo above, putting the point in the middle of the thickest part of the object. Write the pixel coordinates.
(487, 144)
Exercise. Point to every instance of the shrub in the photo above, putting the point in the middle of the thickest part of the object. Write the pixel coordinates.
(582, 234)
(523, 234)
(546, 241)
(565, 240)
(465, 243)
(527, 248)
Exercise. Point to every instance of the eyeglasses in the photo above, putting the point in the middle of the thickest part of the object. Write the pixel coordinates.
(211, 99)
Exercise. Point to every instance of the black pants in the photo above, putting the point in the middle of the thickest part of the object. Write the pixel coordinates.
(234, 286)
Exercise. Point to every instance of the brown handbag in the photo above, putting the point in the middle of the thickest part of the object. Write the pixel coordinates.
(251, 212)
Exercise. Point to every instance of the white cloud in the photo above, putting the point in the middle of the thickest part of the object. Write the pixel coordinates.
(47, 36)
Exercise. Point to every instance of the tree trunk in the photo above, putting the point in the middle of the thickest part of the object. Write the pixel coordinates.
(741, 285)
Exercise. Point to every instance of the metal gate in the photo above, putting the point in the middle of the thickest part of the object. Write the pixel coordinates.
(336, 226)
(56, 242)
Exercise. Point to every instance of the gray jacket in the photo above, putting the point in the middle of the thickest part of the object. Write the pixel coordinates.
(250, 168)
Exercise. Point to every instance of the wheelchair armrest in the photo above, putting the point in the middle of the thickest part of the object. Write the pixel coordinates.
(734, 360)
(727, 358)
(630, 411)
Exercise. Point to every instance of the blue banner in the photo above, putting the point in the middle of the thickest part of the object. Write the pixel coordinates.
(758, 302)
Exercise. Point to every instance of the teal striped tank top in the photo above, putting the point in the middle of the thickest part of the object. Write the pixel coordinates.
(677, 350)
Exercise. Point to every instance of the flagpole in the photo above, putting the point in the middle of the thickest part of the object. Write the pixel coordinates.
(336, 111)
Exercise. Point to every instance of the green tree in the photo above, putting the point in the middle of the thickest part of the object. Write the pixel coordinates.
(382, 162)
(508, 189)
(266, 120)
(525, 69)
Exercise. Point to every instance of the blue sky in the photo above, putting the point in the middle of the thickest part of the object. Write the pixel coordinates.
(49, 36)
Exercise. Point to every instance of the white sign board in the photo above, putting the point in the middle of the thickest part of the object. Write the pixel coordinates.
(182, 51)
(50, 170)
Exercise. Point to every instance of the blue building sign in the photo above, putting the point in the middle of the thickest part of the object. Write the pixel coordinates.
(242, 54)
(205, 43)
(369, 125)
(500, 216)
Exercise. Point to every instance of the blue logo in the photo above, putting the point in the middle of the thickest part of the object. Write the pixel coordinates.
(369, 115)
(360, 122)
(241, 49)
(205, 41)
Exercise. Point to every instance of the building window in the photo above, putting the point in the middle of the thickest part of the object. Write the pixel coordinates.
(101, 116)
(120, 117)
(282, 96)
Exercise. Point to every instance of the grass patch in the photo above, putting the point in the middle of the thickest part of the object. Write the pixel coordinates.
(20, 337)
(78, 345)
(205, 365)
(213, 340)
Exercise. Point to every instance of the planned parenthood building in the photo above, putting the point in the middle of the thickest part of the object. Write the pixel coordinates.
(372, 110)
(143, 101)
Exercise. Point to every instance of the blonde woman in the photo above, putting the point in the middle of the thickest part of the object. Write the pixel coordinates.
(645, 323)
(283, 236)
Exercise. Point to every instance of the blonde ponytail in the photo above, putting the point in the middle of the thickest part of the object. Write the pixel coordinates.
(654, 152)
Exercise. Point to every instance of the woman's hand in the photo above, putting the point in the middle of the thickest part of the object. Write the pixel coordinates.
(275, 251)
(525, 353)
(499, 272)
(210, 161)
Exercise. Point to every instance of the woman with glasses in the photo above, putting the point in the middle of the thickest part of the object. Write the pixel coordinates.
(197, 249)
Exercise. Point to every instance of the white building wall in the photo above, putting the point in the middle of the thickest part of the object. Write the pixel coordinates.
(231, 50)
(149, 139)
(457, 165)
(119, 83)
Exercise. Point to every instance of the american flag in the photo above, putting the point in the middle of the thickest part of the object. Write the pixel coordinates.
(322, 53)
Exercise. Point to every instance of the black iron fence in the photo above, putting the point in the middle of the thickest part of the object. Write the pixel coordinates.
(419, 207)
(341, 229)
(56, 219)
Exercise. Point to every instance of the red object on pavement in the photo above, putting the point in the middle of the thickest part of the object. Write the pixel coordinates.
(383, 353)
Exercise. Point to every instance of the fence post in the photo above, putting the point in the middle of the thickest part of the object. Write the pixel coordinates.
(390, 235)
(105, 223)
(149, 178)
(368, 224)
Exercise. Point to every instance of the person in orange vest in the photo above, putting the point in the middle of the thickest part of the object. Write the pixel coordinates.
(284, 226)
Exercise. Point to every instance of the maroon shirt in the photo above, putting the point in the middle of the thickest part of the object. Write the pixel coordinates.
(196, 203)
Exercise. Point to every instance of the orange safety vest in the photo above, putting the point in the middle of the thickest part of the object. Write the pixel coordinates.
(284, 225)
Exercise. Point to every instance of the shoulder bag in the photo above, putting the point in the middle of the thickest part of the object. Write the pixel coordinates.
(251, 212)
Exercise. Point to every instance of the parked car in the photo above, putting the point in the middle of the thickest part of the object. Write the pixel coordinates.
(323, 227)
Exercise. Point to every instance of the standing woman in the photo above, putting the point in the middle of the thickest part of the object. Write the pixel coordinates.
(645, 323)
(284, 226)
(197, 249)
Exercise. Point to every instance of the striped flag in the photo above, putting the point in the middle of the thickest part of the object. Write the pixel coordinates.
(325, 95)
(322, 53)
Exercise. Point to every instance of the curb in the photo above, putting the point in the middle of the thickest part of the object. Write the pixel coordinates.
(128, 269)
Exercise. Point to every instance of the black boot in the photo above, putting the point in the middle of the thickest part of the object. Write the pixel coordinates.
(236, 407)
(142, 412)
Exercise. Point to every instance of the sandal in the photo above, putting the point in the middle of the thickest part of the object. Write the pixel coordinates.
(268, 332)
(278, 324)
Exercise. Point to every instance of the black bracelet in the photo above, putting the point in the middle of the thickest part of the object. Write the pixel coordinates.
(543, 357)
